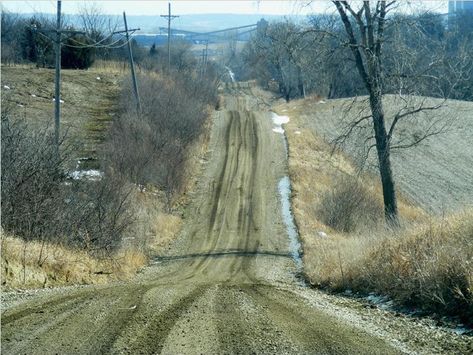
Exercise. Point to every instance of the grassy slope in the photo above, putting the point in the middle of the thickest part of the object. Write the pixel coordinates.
(436, 175)
(89, 104)
(430, 263)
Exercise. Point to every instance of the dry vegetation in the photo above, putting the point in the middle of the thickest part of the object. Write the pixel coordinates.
(428, 264)
(34, 264)
(435, 175)
(89, 101)
(46, 261)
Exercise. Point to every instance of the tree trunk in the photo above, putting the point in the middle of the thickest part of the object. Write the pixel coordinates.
(384, 160)
(300, 83)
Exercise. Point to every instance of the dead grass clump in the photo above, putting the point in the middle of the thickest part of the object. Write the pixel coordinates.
(155, 229)
(32, 264)
(430, 267)
(349, 205)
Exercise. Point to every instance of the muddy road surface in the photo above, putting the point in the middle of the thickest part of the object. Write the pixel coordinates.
(227, 285)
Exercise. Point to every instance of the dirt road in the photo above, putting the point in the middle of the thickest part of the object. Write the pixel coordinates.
(227, 284)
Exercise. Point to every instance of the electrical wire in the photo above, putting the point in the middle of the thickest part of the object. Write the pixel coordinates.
(96, 44)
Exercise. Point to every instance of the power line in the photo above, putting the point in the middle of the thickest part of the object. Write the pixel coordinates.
(170, 18)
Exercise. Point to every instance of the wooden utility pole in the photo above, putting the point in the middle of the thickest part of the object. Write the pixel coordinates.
(132, 64)
(169, 17)
(203, 69)
(57, 89)
(57, 80)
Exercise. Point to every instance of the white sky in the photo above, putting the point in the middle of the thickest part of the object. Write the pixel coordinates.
(156, 7)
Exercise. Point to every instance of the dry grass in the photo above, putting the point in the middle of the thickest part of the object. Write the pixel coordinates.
(430, 265)
(107, 66)
(155, 229)
(435, 175)
(33, 265)
(89, 103)
(24, 265)
(427, 264)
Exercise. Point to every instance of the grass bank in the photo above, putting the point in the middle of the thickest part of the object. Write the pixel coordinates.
(63, 258)
(427, 264)
(34, 264)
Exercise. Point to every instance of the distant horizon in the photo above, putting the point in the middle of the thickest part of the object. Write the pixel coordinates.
(187, 8)
(182, 8)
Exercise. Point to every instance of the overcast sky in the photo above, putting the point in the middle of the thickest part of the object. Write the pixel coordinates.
(156, 7)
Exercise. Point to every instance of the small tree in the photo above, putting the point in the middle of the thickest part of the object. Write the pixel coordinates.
(77, 53)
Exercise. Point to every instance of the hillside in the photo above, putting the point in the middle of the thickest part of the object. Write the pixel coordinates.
(89, 102)
(228, 284)
(435, 175)
(422, 266)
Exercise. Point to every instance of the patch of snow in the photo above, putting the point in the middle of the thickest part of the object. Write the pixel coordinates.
(6, 87)
(382, 302)
(231, 73)
(98, 78)
(33, 95)
(20, 105)
(297, 132)
(278, 122)
(93, 175)
(460, 330)
(284, 187)
(278, 130)
(321, 102)
(322, 234)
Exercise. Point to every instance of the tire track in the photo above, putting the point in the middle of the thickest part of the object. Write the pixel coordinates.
(14, 315)
(110, 315)
(154, 334)
(216, 196)
(312, 329)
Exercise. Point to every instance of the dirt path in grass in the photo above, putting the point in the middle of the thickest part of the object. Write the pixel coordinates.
(227, 285)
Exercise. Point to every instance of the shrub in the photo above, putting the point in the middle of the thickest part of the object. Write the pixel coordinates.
(429, 267)
(31, 179)
(77, 53)
(152, 148)
(39, 202)
(349, 205)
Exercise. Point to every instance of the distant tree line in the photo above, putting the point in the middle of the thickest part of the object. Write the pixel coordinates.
(296, 60)
(30, 40)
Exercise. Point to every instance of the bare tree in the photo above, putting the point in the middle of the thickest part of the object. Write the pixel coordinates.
(389, 64)
(98, 27)
(367, 50)
(11, 26)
